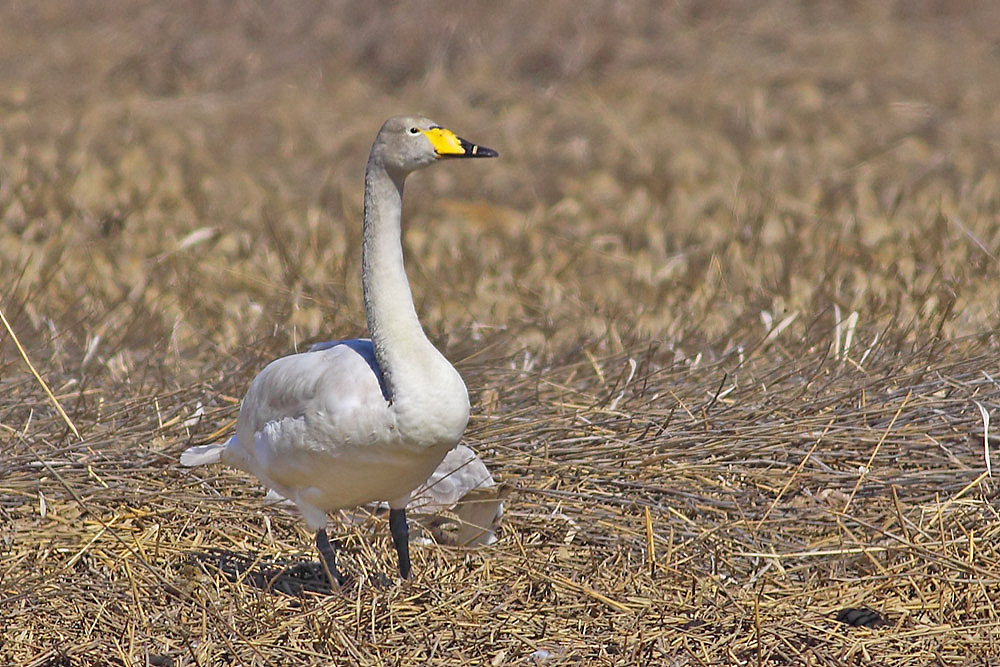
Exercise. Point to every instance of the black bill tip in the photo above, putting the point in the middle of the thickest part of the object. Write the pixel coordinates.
(472, 150)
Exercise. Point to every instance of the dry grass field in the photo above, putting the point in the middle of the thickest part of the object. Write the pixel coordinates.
(727, 307)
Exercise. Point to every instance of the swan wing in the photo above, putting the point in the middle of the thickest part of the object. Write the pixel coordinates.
(307, 411)
(460, 472)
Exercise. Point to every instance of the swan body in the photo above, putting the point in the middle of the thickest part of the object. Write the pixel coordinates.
(460, 503)
(363, 420)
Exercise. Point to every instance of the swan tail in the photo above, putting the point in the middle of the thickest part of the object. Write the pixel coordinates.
(202, 454)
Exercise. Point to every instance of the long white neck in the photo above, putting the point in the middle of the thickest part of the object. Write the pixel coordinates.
(392, 319)
(416, 375)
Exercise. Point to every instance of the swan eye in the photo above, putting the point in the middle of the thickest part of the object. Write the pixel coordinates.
(414, 130)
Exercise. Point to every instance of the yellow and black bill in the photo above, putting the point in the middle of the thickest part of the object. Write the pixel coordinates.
(448, 145)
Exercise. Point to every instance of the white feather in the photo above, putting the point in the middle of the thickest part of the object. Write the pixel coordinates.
(202, 455)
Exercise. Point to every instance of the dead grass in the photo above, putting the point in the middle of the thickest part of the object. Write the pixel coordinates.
(727, 307)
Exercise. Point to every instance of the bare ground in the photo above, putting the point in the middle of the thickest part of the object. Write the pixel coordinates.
(727, 308)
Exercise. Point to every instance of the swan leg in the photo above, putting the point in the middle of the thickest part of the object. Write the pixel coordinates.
(329, 555)
(401, 539)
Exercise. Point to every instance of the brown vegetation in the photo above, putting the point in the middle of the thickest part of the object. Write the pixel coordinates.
(726, 305)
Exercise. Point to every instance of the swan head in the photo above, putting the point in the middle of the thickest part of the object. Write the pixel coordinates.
(408, 143)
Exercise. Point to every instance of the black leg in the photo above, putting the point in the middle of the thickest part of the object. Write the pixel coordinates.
(401, 539)
(329, 557)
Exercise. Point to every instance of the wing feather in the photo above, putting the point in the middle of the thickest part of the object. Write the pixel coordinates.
(318, 428)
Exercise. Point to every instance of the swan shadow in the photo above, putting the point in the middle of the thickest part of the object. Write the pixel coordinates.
(295, 578)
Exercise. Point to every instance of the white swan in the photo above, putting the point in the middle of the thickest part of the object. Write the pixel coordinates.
(361, 420)
(461, 503)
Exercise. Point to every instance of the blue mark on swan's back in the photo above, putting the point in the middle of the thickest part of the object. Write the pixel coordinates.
(365, 349)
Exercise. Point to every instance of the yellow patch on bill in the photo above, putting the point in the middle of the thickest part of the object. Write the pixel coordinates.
(444, 141)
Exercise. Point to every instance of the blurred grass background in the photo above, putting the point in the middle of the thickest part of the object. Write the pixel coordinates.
(715, 191)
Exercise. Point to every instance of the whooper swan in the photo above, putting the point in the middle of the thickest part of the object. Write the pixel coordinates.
(361, 420)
